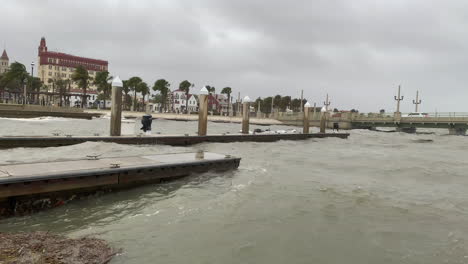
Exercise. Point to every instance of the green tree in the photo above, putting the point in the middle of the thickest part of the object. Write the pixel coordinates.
(144, 90)
(266, 105)
(227, 91)
(61, 86)
(81, 77)
(102, 82)
(126, 90)
(277, 101)
(211, 89)
(185, 86)
(133, 85)
(16, 77)
(35, 85)
(162, 86)
(285, 102)
(296, 105)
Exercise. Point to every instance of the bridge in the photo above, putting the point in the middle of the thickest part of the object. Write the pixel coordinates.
(456, 123)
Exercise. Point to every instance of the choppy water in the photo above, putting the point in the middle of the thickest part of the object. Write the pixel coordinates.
(373, 198)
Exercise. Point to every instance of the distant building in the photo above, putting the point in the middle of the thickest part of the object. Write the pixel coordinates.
(217, 103)
(4, 62)
(75, 100)
(55, 65)
(178, 101)
(193, 103)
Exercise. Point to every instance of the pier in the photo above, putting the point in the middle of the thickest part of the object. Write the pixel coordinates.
(32, 111)
(456, 123)
(28, 187)
(173, 140)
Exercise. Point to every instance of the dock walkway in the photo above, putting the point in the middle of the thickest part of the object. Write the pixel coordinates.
(29, 187)
(173, 140)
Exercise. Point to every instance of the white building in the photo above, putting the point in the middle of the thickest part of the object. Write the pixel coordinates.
(75, 100)
(193, 103)
(178, 101)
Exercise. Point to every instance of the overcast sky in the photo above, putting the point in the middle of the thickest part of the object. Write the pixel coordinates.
(357, 51)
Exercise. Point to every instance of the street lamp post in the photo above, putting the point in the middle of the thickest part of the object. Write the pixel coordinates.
(32, 76)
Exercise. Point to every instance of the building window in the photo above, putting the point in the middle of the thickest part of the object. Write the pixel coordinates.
(64, 68)
(50, 67)
(64, 75)
(50, 73)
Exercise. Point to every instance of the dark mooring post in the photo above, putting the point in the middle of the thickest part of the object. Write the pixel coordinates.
(116, 107)
(203, 112)
(323, 119)
(305, 130)
(245, 115)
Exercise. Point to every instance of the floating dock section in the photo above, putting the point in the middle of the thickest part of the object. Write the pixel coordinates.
(57, 141)
(30, 187)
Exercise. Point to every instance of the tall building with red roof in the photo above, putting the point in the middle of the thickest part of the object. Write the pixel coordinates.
(4, 62)
(56, 65)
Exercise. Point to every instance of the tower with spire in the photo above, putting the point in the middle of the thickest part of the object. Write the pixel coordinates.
(4, 62)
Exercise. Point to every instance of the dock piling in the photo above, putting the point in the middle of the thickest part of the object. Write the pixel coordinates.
(245, 115)
(203, 112)
(306, 118)
(323, 121)
(116, 107)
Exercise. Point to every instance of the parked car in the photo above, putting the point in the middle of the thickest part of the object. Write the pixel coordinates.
(416, 115)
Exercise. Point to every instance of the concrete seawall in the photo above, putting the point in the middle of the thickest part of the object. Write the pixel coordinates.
(31, 111)
(192, 117)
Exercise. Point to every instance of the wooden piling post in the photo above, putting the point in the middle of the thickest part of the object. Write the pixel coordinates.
(203, 112)
(116, 107)
(323, 121)
(306, 118)
(245, 116)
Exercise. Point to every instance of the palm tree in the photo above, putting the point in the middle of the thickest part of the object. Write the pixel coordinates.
(61, 88)
(133, 84)
(185, 86)
(227, 91)
(144, 90)
(81, 77)
(102, 83)
(126, 90)
(162, 86)
(210, 89)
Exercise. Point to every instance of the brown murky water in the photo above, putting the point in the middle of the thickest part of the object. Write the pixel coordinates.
(373, 198)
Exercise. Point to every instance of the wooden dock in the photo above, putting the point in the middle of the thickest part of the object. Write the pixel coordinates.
(30, 187)
(57, 141)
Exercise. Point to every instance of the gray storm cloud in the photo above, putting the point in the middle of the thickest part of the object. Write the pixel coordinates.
(357, 51)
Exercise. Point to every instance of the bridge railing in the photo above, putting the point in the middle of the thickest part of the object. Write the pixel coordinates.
(448, 114)
(372, 116)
